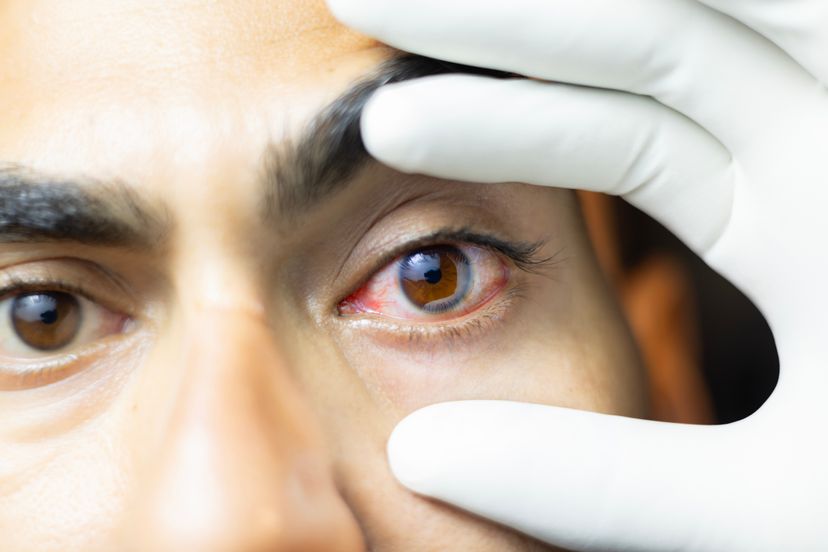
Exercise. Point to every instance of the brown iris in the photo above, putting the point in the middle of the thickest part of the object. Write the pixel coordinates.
(433, 277)
(46, 321)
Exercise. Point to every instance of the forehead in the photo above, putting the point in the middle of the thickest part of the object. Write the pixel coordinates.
(136, 87)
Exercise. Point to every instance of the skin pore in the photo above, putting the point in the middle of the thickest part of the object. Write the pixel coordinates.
(224, 394)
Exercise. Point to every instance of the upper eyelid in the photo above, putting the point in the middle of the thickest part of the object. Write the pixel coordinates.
(70, 276)
(17, 286)
(524, 255)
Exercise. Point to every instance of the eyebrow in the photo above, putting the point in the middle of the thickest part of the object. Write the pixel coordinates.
(39, 208)
(297, 175)
(300, 175)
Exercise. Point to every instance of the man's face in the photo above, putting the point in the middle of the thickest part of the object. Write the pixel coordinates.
(211, 317)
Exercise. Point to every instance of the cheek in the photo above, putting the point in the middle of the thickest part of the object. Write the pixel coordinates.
(393, 518)
(390, 516)
(552, 373)
(546, 374)
(562, 349)
(65, 496)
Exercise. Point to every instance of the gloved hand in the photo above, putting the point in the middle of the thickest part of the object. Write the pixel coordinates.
(716, 125)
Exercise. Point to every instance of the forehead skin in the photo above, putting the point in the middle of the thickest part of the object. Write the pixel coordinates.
(116, 87)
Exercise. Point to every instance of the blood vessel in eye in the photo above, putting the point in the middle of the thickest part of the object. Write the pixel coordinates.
(434, 280)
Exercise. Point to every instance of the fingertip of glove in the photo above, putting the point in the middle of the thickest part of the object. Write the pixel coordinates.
(386, 126)
(404, 454)
(341, 9)
(418, 448)
(358, 14)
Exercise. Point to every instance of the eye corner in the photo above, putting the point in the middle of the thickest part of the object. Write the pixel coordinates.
(350, 305)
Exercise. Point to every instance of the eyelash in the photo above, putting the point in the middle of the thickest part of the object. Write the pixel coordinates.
(18, 286)
(525, 256)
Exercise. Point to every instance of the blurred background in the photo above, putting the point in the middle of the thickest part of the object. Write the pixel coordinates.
(709, 352)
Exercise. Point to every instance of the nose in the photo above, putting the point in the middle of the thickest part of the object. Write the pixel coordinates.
(239, 465)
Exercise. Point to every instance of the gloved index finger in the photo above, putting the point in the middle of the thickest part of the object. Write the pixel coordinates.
(557, 135)
(696, 60)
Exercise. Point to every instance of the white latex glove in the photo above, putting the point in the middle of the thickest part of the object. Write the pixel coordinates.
(715, 125)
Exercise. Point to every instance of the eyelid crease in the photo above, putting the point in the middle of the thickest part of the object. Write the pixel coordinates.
(18, 286)
(524, 255)
(13, 284)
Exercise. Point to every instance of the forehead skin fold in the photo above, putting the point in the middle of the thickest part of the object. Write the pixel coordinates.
(284, 42)
(110, 89)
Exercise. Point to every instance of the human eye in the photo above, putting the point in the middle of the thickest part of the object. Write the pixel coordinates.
(453, 276)
(430, 284)
(46, 324)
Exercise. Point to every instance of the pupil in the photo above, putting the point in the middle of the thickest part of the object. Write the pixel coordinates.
(49, 317)
(430, 276)
(46, 321)
(433, 276)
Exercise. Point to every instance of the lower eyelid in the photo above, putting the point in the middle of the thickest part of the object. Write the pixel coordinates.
(467, 331)
(20, 374)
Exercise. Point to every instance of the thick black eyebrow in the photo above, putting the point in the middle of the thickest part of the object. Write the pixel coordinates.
(330, 151)
(38, 208)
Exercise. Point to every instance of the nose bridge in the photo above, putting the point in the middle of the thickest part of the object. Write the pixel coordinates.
(238, 383)
(240, 466)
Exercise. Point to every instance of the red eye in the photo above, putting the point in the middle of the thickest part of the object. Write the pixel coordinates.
(431, 284)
